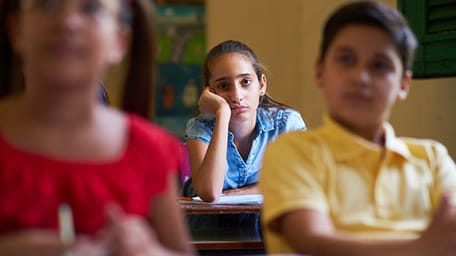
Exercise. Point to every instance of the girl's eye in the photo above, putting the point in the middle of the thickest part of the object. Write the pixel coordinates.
(50, 4)
(221, 86)
(91, 7)
(247, 82)
(42, 5)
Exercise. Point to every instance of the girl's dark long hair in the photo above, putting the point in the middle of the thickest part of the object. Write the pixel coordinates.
(139, 84)
(9, 64)
(139, 87)
(232, 46)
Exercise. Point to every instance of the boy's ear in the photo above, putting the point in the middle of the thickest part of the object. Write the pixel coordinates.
(318, 73)
(405, 85)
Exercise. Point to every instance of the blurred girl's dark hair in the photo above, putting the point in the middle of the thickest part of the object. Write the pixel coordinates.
(232, 46)
(139, 84)
(139, 87)
(9, 64)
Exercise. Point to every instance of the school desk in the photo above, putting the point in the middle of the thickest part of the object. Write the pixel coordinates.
(226, 241)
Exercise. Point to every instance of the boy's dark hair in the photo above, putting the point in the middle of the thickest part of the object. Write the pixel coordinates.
(377, 15)
(139, 85)
(232, 46)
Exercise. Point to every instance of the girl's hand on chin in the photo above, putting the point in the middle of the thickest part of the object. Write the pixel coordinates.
(212, 103)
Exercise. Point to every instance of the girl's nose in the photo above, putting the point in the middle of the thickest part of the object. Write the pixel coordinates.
(236, 93)
(69, 18)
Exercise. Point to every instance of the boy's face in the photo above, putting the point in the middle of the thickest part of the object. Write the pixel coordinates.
(362, 77)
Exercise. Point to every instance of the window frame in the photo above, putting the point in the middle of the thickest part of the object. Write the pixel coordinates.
(436, 53)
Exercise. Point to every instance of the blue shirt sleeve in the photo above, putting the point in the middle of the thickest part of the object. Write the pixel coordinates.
(199, 128)
(292, 121)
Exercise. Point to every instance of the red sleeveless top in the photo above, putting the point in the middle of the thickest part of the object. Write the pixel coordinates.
(32, 186)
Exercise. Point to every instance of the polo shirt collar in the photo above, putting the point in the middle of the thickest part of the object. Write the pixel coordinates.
(348, 145)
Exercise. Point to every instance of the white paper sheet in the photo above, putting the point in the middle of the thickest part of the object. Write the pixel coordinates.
(235, 199)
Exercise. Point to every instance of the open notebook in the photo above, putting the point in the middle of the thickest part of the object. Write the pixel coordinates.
(235, 199)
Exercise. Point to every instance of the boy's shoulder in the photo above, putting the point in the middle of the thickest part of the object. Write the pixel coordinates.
(424, 148)
(301, 139)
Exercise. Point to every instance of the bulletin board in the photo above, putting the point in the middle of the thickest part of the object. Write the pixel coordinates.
(182, 45)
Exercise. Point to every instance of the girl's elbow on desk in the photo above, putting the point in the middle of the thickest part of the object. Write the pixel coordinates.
(207, 194)
(209, 197)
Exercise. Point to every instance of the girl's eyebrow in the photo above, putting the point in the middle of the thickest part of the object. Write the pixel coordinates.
(224, 78)
(344, 49)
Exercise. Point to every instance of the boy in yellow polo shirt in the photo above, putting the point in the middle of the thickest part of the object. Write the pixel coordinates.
(351, 187)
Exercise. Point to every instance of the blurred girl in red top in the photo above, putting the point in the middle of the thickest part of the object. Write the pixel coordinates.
(59, 144)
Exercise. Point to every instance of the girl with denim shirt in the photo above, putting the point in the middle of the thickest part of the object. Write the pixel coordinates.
(238, 119)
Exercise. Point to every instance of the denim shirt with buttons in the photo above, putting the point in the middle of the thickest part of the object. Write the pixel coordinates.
(270, 123)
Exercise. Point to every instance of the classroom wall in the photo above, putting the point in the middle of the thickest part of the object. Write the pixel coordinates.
(285, 36)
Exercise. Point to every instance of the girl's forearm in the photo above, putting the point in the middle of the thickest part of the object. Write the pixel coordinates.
(209, 178)
(30, 243)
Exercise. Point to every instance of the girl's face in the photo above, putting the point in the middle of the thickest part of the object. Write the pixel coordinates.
(68, 40)
(362, 77)
(234, 79)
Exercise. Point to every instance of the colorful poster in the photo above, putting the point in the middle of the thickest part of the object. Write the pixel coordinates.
(181, 34)
(182, 46)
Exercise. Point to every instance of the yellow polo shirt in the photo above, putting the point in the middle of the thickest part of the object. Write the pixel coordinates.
(365, 189)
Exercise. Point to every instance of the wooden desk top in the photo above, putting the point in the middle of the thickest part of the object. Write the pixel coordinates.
(192, 207)
(228, 245)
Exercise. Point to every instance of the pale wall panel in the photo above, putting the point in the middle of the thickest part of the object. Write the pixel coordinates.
(285, 35)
